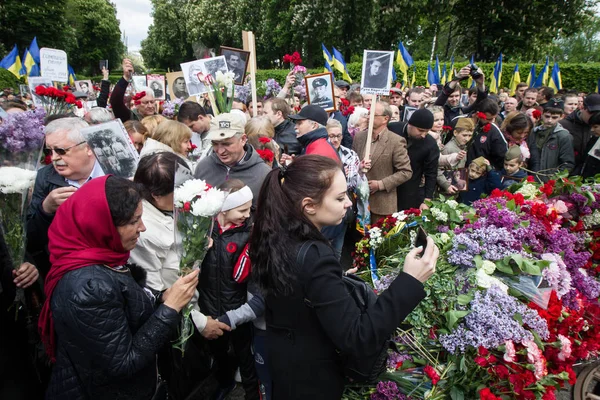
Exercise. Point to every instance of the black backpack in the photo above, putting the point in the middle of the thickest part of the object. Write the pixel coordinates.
(364, 369)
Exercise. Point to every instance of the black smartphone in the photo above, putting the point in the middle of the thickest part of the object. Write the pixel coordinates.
(421, 238)
(103, 64)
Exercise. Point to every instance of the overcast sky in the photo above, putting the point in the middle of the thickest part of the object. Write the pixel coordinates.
(134, 17)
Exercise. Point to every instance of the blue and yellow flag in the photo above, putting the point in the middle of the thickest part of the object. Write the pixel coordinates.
(437, 72)
(404, 61)
(514, 80)
(531, 77)
(34, 50)
(444, 77)
(72, 77)
(471, 82)
(451, 70)
(555, 78)
(30, 67)
(328, 59)
(542, 79)
(414, 76)
(430, 76)
(496, 81)
(12, 62)
(340, 65)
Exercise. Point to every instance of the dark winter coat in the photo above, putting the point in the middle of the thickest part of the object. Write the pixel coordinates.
(102, 100)
(508, 180)
(120, 110)
(108, 334)
(482, 185)
(424, 158)
(556, 153)
(491, 145)
(302, 340)
(38, 221)
(218, 291)
(581, 135)
(285, 135)
(591, 165)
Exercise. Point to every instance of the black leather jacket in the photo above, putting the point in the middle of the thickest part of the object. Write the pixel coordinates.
(285, 135)
(218, 291)
(107, 333)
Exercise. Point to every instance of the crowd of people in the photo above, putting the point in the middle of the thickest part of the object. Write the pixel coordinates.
(101, 254)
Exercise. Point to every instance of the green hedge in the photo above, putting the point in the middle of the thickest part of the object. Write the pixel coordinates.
(7, 79)
(574, 76)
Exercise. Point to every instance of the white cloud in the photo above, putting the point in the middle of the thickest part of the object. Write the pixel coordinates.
(134, 17)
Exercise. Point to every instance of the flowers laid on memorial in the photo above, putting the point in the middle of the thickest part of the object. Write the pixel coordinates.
(56, 101)
(514, 300)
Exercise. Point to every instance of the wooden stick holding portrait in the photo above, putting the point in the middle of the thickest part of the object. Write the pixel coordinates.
(250, 45)
(374, 99)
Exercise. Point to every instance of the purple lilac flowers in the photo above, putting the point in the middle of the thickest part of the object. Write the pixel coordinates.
(492, 322)
(23, 131)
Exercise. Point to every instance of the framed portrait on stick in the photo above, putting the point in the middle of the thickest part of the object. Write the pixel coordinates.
(113, 148)
(237, 62)
(84, 86)
(377, 72)
(206, 66)
(35, 81)
(176, 87)
(319, 91)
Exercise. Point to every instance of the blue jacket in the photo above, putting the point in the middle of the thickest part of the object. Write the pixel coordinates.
(507, 179)
(479, 186)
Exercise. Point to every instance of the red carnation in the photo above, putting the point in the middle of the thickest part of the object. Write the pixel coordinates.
(486, 128)
(432, 374)
(78, 104)
(287, 58)
(537, 114)
(530, 178)
(481, 361)
(66, 87)
(344, 102)
(446, 128)
(138, 96)
(486, 394)
(481, 115)
(187, 206)
(399, 365)
(40, 90)
(266, 155)
(264, 139)
(193, 146)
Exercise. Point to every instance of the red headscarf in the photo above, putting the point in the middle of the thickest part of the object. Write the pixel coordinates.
(81, 234)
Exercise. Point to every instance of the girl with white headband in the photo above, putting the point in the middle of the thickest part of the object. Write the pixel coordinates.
(219, 292)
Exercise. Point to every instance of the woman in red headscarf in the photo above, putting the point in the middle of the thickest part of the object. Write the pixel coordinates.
(99, 323)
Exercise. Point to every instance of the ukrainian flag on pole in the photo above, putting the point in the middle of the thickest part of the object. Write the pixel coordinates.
(531, 77)
(12, 62)
(451, 70)
(497, 76)
(444, 77)
(414, 76)
(514, 80)
(542, 78)
(328, 59)
(30, 67)
(405, 61)
(437, 71)
(555, 78)
(340, 65)
(430, 76)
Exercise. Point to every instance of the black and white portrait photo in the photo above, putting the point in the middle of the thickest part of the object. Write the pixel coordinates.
(35, 81)
(319, 90)
(595, 150)
(84, 86)
(24, 89)
(157, 84)
(190, 71)
(177, 88)
(215, 64)
(237, 62)
(139, 81)
(112, 147)
(377, 72)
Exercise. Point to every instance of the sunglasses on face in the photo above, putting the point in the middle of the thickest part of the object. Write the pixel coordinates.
(61, 152)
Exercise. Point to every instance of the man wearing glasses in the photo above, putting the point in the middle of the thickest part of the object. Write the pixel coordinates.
(73, 164)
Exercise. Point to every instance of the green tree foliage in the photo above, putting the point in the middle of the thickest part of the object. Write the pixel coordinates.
(21, 20)
(167, 44)
(581, 47)
(94, 33)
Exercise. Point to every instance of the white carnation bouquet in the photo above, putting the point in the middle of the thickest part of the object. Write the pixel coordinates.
(196, 204)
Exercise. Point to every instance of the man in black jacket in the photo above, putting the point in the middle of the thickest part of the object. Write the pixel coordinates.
(450, 95)
(577, 123)
(488, 141)
(278, 111)
(73, 164)
(424, 155)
